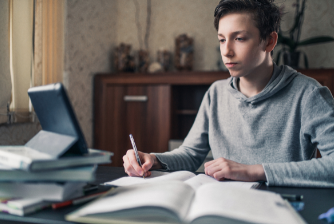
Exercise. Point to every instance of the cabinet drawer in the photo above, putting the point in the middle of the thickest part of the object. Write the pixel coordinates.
(140, 110)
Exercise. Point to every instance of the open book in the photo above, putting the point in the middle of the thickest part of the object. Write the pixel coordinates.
(188, 177)
(178, 202)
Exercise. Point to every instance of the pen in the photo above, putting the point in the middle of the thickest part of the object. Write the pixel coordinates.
(292, 197)
(136, 152)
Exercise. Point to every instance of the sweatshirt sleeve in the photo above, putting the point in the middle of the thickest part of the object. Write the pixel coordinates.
(317, 127)
(191, 154)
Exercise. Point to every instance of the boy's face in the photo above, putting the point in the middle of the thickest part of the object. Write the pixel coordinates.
(241, 49)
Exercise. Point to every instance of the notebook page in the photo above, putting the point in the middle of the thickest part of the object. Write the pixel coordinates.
(255, 206)
(200, 179)
(173, 195)
(241, 184)
(156, 176)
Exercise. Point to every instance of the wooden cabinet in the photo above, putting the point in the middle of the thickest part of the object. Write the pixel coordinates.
(142, 110)
(154, 108)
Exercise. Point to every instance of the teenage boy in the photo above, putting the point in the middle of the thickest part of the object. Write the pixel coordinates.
(265, 122)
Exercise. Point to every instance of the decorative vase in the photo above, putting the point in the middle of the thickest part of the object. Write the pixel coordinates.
(143, 60)
(123, 61)
(291, 59)
(163, 57)
(184, 53)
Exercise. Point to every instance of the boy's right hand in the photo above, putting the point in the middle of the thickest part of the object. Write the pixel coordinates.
(132, 168)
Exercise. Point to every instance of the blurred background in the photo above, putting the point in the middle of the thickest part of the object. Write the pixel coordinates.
(83, 34)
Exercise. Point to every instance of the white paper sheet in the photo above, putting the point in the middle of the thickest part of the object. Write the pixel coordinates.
(155, 177)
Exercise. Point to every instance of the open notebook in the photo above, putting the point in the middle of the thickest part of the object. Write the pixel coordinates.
(189, 178)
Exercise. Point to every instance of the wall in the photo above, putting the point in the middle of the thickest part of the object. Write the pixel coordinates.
(89, 39)
(319, 20)
(195, 17)
(5, 84)
(168, 20)
(94, 28)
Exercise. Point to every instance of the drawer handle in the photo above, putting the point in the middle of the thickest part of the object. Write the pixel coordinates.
(135, 98)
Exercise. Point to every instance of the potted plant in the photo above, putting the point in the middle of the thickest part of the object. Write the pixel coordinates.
(290, 40)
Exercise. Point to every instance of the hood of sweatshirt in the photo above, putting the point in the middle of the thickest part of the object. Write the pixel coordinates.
(282, 76)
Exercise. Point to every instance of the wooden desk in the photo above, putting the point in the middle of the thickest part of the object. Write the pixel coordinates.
(316, 201)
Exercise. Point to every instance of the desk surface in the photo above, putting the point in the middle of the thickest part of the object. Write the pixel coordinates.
(317, 201)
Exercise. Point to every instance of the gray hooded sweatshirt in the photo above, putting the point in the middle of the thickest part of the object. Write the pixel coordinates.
(280, 128)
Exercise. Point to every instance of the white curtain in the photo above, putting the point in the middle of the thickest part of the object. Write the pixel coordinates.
(26, 61)
(49, 42)
(21, 53)
(5, 78)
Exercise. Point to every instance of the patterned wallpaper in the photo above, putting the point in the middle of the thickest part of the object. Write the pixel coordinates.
(18, 134)
(94, 28)
(5, 84)
(168, 20)
(89, 40)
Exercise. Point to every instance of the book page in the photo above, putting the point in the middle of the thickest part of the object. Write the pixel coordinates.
(3, 167)
(156, 176)
(25, 152)
(200, 179)
(253, 206)
(241, 184)
(171, 195)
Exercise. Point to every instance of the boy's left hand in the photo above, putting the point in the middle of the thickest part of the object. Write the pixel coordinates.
(222, 169)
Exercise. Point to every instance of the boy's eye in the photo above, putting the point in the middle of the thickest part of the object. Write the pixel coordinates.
(222, 40)
(239, 38)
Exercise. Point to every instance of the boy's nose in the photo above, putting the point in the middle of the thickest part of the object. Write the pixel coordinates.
(227, 51)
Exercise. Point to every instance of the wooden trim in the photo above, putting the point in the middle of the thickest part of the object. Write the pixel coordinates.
(173, 78)
(99, 111)
(20, 116)
(324, 76)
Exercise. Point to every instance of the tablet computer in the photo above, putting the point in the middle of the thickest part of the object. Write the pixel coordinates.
(55, 113)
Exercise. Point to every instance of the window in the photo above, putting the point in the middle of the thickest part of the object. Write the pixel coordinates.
(31, 53)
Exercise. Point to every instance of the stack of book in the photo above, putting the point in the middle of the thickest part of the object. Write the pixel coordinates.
(43, 182)
(55, 165)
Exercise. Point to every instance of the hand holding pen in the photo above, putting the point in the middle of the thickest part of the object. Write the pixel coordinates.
(136, 152)
(132, 163)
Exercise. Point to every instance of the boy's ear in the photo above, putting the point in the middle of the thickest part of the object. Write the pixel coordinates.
(271, 41)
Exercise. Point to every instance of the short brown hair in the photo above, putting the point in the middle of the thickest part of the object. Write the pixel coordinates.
(266, 14)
